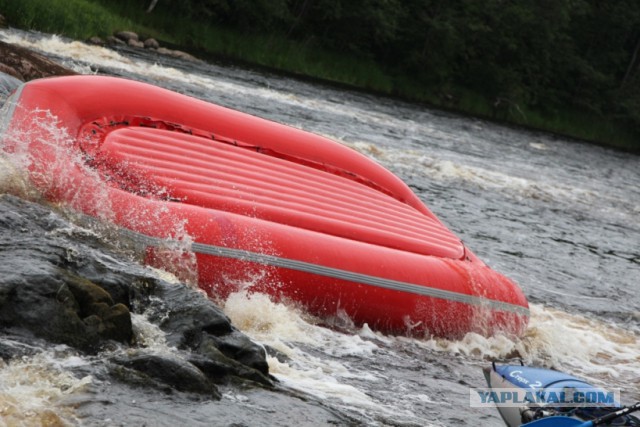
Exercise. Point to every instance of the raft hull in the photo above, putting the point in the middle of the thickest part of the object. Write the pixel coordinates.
(292, 214)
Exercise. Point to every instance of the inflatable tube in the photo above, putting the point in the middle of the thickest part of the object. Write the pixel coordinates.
(319, 223)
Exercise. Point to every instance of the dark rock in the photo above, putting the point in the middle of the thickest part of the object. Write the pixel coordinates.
(151, 43)
(95, 40)
(45, 306)
(34, 306)
(238, 346)
(126, 36)
(135, 43)
(220, 367)
(184, 314)
(3, 22)
(184, 56)
(114, 40)
(117, 321)
(87, 293)
(176, 54)
(25, 65)
(113, 320)
(65, 285)
(280, 356)
(171, 370)
(9, 71)
(40, 296)
(193, 321)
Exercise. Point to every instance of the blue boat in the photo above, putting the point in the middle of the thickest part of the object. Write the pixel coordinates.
(538, 397)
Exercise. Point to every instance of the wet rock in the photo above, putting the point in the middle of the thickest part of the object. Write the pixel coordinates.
(135, 43)
(112, 40)
(9, 71)
(25, 65)
(46, 301)
(165, 51)
(184, 313)
(277, 354)
(194, 322)
(3, 22)
(127, 36)
(95, 40)
(132, 39)
(88, 295)
(184, 56)
(42, 306)
(66, 285)
(220, 368)
(176, 54)
(238, 346)
(151, 43)
(171, 370)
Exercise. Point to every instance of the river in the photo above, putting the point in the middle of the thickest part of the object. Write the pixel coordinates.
(560, 217)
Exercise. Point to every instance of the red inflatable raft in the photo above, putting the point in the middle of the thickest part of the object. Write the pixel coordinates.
(296, 215)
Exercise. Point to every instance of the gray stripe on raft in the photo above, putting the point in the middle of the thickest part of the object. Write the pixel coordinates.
(335, 273)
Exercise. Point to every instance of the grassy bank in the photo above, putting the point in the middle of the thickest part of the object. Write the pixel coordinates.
(81, 19)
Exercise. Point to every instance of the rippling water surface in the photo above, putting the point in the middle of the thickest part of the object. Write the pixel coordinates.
(560, 217)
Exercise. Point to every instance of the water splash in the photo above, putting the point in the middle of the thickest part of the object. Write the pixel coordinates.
(33, 391)
(14, 180)
(57, 170)
(311, 358)
(601, 352)
(316, 359)
(74, 51)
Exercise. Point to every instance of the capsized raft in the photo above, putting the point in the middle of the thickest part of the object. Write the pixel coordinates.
(297, 215)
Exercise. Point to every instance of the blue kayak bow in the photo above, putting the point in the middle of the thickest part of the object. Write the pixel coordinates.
(572, 422)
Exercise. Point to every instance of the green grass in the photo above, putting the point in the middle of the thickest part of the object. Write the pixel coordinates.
(81, 19)
(77, 19)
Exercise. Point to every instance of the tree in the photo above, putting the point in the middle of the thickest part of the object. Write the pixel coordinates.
(152, 5)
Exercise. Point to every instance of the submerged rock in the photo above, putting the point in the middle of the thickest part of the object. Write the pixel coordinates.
(64, 284)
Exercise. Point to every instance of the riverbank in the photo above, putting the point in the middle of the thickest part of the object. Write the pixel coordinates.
(81, 19)
(557, 216)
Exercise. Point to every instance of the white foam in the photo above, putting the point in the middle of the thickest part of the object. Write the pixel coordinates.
(148, 334)
(13, 179)
(33, 390)
(290, 331)
(80, 54)
(601, 352)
